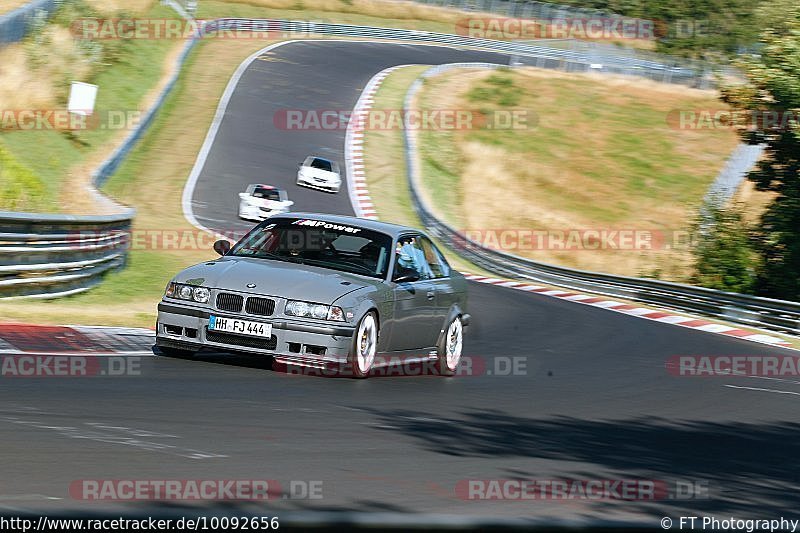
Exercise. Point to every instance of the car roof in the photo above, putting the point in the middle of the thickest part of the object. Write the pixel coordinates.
(384, 227)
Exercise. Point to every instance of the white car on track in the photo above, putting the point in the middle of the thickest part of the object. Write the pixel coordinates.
(319, 173)
(261, 201)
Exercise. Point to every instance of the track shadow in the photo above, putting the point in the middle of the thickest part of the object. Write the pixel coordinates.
(748, 468)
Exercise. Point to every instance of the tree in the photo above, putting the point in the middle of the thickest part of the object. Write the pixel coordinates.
(772, 93)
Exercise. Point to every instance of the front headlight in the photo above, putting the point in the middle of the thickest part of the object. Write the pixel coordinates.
(313, 310)
(201, 294)
(192, 293)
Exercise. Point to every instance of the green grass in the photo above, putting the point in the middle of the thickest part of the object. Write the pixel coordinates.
(21, 189)
(634, 148)
(600, 154)
(385, 167)
(48, 155)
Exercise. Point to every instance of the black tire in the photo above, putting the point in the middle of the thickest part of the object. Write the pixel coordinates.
(365, 337)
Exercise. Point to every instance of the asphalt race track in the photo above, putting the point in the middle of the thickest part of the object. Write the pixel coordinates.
(594, 400)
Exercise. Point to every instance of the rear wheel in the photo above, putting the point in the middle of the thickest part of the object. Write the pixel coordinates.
(449, 349)
(365, 345)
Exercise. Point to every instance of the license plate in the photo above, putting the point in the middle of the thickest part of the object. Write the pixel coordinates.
(243, 327)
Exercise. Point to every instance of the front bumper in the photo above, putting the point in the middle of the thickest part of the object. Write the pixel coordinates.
(307, 181)
(293, 341)
(258, 213)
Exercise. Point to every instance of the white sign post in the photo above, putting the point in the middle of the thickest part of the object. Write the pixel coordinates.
(82, 98)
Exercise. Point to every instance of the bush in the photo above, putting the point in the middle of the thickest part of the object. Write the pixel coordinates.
(725, 258)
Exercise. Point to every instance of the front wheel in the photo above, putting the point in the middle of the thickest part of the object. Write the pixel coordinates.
(449, 349)
(365, 345)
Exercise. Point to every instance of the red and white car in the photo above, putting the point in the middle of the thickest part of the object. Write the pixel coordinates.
(261, 201)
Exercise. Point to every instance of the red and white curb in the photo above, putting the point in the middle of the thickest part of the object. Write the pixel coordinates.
(363, 206)
(74, 340)
(633, 310)
(354, 147)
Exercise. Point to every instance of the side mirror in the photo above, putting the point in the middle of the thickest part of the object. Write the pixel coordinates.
(243, 195)
(222, 246)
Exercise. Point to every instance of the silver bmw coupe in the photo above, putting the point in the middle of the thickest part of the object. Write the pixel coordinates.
(321, 291)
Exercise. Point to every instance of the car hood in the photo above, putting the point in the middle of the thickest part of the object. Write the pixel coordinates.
(319, 173)
(275, 278)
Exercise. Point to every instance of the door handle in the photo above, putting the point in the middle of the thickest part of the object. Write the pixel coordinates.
(431, 295)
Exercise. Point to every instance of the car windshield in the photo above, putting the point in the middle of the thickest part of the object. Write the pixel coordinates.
(322, 164)
(269, 194)
(314, 242)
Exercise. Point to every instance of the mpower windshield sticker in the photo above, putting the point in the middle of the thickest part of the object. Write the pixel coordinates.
(325, 225)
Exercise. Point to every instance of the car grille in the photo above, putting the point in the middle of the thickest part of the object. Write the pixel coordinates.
(260, 306)
(241, 340)
(229, 302)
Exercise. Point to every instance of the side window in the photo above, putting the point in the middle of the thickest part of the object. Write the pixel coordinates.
(409, 255)
(435, 260)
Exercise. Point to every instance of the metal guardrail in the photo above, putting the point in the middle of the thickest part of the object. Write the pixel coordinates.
(522, 52)
(776, 315)
(57, 255)
(15, 24)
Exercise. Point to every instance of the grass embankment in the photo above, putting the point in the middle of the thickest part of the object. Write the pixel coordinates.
(52, 165)
(152, 181)
(382, 13)
(600, 154)
(11, 5)
(385, 163)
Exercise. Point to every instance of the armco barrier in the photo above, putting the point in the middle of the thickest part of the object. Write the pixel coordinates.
(15, 24)
(57, 255)
(663, 69)
(776, 315)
